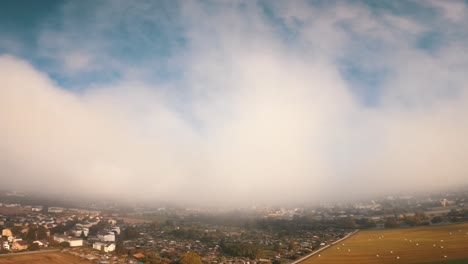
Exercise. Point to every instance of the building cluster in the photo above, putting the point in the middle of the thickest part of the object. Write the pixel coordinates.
(253, 235)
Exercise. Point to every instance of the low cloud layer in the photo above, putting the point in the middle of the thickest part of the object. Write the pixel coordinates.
(285, 102)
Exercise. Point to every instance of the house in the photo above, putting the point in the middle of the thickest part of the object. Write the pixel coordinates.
(139, 256)
(7, 232)
(4, 244)
(73, 241)
(106, 247)
(56, 209)
(106, 236)
(36, 208)
(79, 230)
(20, 245)
(42, 243)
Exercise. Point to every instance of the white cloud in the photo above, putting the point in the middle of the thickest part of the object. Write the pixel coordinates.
(261, 119)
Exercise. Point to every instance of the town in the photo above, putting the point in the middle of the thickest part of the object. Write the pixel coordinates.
(260, 234)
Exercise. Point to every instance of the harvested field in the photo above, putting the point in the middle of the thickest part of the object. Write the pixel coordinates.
(438, 244)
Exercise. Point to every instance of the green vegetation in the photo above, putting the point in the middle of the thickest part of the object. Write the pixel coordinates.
(237, 249)
(36, 233)
(33, 247)
(458, 215)
(129, 233)
(65, 244)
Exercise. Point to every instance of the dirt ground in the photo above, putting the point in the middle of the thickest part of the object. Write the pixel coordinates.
(43, 258)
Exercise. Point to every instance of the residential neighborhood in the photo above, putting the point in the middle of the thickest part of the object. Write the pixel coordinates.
(259, 234)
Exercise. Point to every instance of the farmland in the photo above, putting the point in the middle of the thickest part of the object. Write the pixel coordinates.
(432, 244)
(42, 258)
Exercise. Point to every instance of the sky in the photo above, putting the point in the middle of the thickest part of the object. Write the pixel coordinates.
(233, 102)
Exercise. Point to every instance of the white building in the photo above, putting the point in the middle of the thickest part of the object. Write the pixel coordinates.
(36, 208)
(77, 231)
(6, 245)
(73, 241)
(40, 243)
(55, 210)
(107, 247)
(106, 236)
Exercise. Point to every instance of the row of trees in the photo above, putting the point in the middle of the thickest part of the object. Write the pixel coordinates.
(308, 223)
(238, 249)
(33, 233)
(420, 218)
(458, 215)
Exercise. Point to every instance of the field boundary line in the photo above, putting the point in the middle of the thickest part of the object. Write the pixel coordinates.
(325, 247)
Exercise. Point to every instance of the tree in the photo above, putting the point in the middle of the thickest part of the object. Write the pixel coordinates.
(238, 249)
(31, 234)
(420, 214)
(191, 258)
(52, 242)
(153, 258)
(120, 248)
(16, 231)
(42, 232)
(278, 247)
(346, 223)
(100, 226)
(33, 247)
(366, 223)
(436, 220)
(292, 245)
(412, 220)
(129, 233)
(65, 244)
(391, 222)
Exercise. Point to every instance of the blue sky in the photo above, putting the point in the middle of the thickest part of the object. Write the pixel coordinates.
(142, 35)
(235, 94)
(156, 34)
